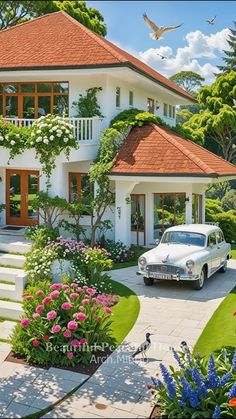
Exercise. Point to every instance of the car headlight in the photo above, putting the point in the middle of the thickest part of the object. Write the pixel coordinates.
(190, 264)
(142, 261)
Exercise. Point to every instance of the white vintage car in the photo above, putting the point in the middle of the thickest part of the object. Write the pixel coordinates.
(190, 252)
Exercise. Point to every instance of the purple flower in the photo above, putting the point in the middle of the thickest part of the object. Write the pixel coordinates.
(157, 383)
(216, 413)
(176, 356)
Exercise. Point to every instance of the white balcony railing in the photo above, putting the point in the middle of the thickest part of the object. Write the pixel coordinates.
(86, 130)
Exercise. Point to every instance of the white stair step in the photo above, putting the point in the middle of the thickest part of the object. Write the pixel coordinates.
(10, 309)
(13, 260)
(13, 291)
(8, 291)
(14, 244)
(6, 329)
(10, 274)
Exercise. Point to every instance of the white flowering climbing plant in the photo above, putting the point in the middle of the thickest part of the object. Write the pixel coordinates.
(50, 136)
(15, 139)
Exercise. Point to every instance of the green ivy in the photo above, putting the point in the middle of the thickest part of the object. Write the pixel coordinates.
(15, 139)
(87, 105)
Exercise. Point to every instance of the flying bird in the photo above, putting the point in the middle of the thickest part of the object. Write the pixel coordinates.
(162, 56)
(158, 32)
(144, 347)
(211, 21)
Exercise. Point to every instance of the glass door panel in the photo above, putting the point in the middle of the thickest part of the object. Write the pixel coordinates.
(44, 105)
(138, 219)
(157, 216)
(15, 196)
(33, 187)
(28, 107)
(11, 106)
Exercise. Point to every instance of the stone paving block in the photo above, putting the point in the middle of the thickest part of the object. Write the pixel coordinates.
(120, 414)
(45, 400)
(68, 375)
(18, 410)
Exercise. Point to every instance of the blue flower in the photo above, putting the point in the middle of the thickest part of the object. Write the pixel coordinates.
(193, 399)
(216, 413)
(232, 391)
(176, 356)
(199, 381)
(171, 390)
(165, 374)
(181, 404)
(157, 382)
(169, 381)
(234, 360)
(189, 393)
(225, 378)
(213, 380)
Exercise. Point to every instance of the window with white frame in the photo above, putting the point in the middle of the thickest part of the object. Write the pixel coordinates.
(173, 112)
(150, 105)
(117, 97)
(165, 111)
(170, 111)
(131, 98)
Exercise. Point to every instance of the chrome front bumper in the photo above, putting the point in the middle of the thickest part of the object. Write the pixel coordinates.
(174, 277)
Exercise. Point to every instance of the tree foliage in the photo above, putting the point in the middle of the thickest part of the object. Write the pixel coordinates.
(188, 80)
(230, 54)
(229, 200)
(217, 121)
(87, 105)
(14, 12)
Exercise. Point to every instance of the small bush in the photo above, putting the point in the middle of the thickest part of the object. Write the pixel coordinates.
(227, 222)
(63, 324)
(119, 252)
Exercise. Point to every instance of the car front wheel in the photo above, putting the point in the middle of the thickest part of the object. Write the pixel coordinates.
(148, 281)
(198, 285)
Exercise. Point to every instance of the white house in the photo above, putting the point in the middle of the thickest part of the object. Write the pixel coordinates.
(44, 65)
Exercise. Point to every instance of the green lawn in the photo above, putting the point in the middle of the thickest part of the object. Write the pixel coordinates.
(128, 308)
(233, 247)
(220, 331)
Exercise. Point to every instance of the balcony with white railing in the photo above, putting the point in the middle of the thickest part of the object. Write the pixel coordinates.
(86, 130)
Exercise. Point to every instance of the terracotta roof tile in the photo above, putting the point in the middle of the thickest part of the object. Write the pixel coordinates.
(155, 150)
(58, 40)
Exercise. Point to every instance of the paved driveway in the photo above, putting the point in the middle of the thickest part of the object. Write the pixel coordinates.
(174, 312)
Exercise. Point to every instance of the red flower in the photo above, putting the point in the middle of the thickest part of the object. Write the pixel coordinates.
(45, 338)
(35, 343)
(232, 402)
(234, 313)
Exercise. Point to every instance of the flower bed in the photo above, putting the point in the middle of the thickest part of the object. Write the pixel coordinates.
(63, 324)
(200, 388)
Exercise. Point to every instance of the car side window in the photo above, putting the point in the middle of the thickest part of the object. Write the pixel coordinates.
(220, 237)
(211, 240)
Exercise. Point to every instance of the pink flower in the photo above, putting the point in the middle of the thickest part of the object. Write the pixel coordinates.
(45, 338)
(35, 343)
(80, 316)
(85, 301)
(91, 291)
(79, 289)
(66, 306)
(93, 308)
(54, 294)
(56, 328)
(55, 286)
(75, 342)
(39, 293)
(81, 308)
(70, 355)
(39, 308)
(74, 295)
(72, 325)
(29, 297)
(107, 310)
(36, 315)
(73, 285)
(83, 341)
(25, 322)
(64, 286)
(51, 315)
(67, 334)
(85, 287)
(46, 300)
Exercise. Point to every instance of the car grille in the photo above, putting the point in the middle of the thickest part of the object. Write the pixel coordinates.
(165, 269)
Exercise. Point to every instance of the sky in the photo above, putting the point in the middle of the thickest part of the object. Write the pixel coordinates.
(195, 46)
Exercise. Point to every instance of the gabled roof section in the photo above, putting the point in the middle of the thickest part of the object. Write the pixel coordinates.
(152, 150)
(57, 40)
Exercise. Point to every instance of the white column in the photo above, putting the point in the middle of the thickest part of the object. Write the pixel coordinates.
(188, 204)
(203, 207)
(123, 211)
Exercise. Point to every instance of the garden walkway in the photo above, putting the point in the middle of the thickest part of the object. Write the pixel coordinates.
(172, 311)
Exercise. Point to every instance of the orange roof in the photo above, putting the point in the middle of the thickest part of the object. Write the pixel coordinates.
(58, 41)
(156, 151)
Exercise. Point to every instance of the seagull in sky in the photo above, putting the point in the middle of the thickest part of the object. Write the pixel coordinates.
(144, 347)
(211, 21)
(158, 32)
(162, 56)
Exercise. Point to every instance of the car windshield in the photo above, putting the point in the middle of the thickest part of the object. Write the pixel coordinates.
(184, 237)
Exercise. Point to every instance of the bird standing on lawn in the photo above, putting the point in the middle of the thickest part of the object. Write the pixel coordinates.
(144, 347)
(158, 32)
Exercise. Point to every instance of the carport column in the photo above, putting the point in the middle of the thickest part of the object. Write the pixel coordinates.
(123, 211)
(203, 209)
(188, 204)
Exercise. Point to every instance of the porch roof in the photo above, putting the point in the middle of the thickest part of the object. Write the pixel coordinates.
(152, 150)
(58, 41)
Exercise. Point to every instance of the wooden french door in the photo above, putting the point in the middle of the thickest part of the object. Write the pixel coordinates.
(21, 188)
(138, 219)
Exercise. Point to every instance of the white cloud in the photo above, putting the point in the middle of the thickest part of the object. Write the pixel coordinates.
(198, 46)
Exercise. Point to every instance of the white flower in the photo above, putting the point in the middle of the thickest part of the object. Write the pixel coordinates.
(1, 138)
(38, 131)
(54, 128)
(38, 140)
(13, 142)
(71, 136)
(58, 134)
(45, 141)
(51, 137)
(17, 135)
(66, 140)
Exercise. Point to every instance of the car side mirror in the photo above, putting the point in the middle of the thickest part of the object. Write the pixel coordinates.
(157, 241)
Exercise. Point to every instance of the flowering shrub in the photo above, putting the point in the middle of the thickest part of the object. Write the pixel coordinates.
(199, 389)
(51, 135)
(119, 251)
(14, 138)
(62, 325)
(41, 235)
(38, 263)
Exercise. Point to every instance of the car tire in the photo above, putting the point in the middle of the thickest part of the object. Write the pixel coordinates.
(198, 285)
(148, 281)
(223, 268)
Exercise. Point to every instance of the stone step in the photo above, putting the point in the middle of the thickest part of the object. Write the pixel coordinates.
(11, 274)
(13, 260)
(18, 277)
(10, 309)
(14, 244)
(6, 329)
(8, 291)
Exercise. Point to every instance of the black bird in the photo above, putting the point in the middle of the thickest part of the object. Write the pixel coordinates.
(184, 347)
(144, 346)
(162, 56)
(211, 21)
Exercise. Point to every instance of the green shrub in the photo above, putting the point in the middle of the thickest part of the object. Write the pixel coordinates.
(199, 388)
(41, 235)
(213, 208)
(227, 222)
(62, 325)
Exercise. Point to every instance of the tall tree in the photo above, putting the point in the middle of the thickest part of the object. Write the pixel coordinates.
(217, 121)
(188, 80)
(230, 54)
(14, 12)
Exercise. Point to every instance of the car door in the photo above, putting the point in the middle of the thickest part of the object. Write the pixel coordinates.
(222, 247)
(213, 251)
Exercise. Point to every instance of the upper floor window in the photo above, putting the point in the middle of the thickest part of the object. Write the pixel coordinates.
(118, 97)
(33, 99)
(150, 105)
(170, 111)
(131, 98)
(165, 112)
(173, 112)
